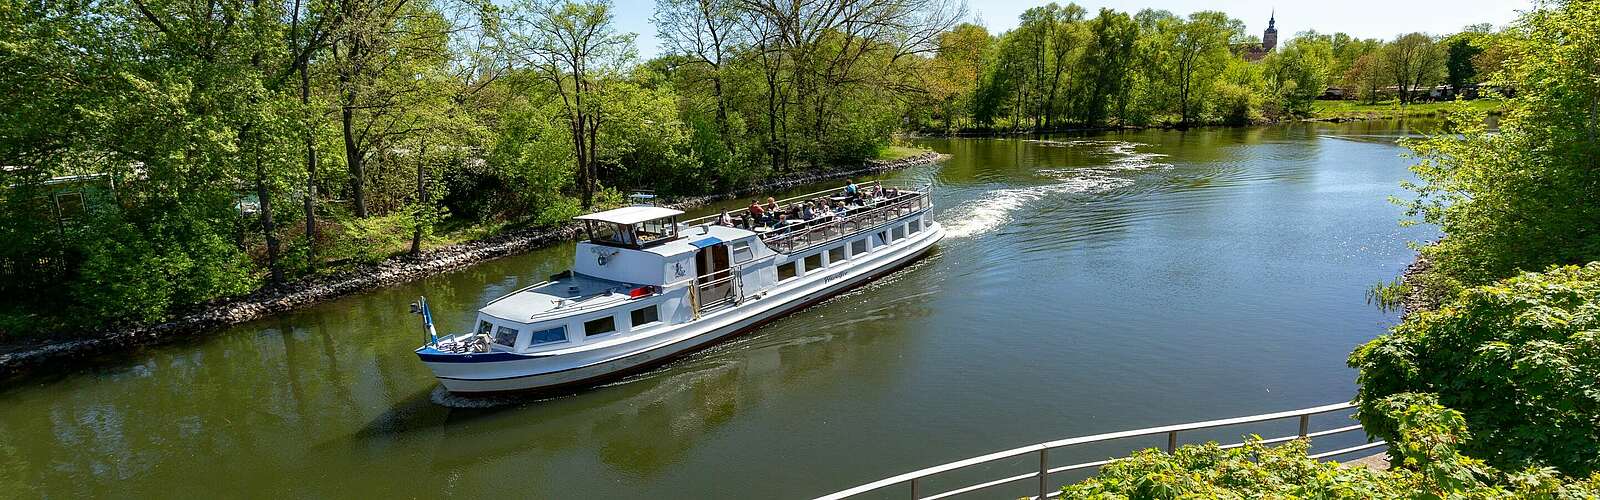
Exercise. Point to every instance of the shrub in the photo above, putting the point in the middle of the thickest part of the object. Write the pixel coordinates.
(1519, 358)
(1432, 467)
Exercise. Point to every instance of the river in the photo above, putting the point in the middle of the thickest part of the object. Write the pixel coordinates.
(1087, 284)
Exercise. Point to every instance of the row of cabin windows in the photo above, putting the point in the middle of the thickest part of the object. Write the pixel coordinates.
(507, 336)
(813, 262)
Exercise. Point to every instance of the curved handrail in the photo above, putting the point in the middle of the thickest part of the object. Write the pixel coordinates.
(1043, 448)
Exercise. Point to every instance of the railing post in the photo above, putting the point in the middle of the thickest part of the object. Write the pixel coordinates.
(1172, 442)
(1044, 471)
(916, 494)
(1305, 422)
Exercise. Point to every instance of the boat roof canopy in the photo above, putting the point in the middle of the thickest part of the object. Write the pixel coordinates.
(630, 215)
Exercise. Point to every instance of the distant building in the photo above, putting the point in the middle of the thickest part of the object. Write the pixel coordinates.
(1269, 42)
(1269, 38)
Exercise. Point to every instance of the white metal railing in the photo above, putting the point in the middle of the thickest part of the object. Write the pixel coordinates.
(1043, 450)
(802, 235)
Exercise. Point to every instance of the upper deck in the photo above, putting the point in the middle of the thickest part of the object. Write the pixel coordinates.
(880, 203)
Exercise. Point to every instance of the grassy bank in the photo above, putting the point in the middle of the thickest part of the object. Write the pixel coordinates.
(1357, 110)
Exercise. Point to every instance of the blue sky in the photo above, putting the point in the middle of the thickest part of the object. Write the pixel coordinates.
(1364, 18)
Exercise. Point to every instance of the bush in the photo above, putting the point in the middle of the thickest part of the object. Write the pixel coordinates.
(1520, 358)
(1431, 467)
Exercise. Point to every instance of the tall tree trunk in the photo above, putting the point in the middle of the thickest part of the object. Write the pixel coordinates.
(311, 173)
(353, 157)
(422, 199)
(267, 228)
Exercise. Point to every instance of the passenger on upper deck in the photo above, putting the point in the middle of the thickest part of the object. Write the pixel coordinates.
(756, 212)
(771, 206)
(851, 191)
(805, 211)
(724, 220)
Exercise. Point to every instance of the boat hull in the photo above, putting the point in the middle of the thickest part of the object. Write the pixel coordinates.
(554, 373)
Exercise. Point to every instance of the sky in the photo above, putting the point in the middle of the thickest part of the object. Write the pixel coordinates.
(1363, 18)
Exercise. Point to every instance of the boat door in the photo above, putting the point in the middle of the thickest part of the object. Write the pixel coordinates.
(715, 283)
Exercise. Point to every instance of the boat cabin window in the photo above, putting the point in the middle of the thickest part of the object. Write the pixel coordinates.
(883, 238)
(550, 336)
(787, 271)
(645, 315)
(813, 262)
(742, 252)
(916, 225)
(899, 233)
(836, 254)
(599, 326)
(858, 247)
(506, 336)
(639, 235)
(484, 327)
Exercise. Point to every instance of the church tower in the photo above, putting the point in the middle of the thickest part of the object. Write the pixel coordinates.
(1269, 39)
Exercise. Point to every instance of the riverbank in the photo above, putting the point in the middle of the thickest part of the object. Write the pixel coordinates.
(22, 355)
(1322, 111)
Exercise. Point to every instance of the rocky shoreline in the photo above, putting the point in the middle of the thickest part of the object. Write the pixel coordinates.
(19, 357)
(1415, 299)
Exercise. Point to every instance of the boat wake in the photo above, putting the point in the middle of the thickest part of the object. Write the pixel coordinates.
(994, 208)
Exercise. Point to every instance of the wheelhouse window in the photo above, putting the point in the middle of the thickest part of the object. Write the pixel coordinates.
(599, 326)
(858, 247)
(788, 271)
(645, 315)
(813, 262)
(836, 254)
(639, 235)
(505, 336)
(548, 336)
(742, 253)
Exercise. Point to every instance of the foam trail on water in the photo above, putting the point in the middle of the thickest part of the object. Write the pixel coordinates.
(995, 207)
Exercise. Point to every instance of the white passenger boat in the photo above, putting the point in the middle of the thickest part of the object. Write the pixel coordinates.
(646, 287)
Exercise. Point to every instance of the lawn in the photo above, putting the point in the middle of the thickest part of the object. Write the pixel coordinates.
(892, 153)
(1392, 109)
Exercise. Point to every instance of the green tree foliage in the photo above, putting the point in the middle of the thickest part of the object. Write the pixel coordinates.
(1521, 198)
(1298, 73)
(1413, 64)
(1431, 465)
(1520, 358)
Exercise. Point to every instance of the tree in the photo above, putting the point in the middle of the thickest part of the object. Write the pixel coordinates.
(575, 48)
(1107, 59)
(1412, 62)
(707, 32)
(1522, 197)
(1366, 77)
(1197, 51)
(1299, 72)
(1461, 51)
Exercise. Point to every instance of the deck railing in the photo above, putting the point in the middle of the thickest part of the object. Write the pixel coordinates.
(806, 234)
(914, 478)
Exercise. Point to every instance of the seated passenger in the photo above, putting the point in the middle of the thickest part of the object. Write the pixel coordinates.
(756, 212)
(805, 211)
(772, 206)
(850, 189)
(724, 220)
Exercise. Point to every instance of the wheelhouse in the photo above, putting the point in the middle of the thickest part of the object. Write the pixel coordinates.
(632, 227)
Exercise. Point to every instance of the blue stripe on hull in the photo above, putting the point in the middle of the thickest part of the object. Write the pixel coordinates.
(429, 354)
